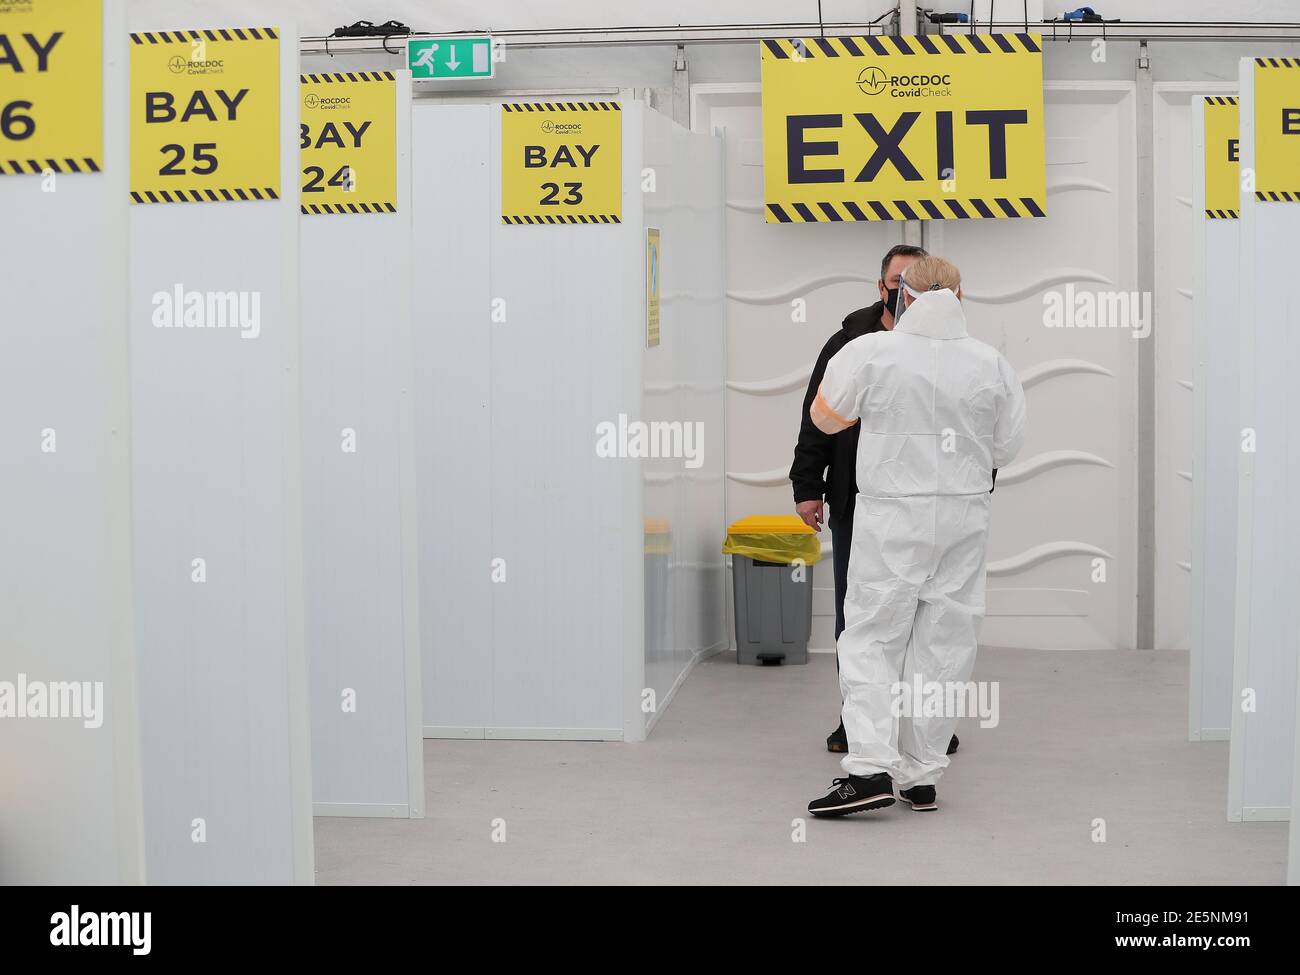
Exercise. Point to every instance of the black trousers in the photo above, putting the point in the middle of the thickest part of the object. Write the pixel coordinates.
(841, 544)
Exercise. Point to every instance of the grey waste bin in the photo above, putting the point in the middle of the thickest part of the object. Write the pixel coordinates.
(773, 611)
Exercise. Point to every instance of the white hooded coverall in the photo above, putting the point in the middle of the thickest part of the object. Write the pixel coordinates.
(939, 410)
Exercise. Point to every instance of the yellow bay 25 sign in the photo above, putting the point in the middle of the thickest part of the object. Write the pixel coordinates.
(940, 127)
(205, 115)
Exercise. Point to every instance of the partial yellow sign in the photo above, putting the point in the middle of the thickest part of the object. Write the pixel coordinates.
(561, 162)
(51, 86)
(1222, 158)
(938, 127)
(348, 142)
(1277, 129)
(205, 115)
(652, 266)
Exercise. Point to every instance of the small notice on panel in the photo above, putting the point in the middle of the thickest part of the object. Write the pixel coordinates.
(652, 282)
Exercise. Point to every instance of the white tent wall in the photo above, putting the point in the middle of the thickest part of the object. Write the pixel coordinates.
(685, 615)
(1069, 499)
(1267, 631)
(531, 544)
(760, 482)
(72, 811)
(217, 476)
(1217, 446)
(770, 354)
(359, 504)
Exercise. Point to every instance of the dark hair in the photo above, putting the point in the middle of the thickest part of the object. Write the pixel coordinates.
(900, 250)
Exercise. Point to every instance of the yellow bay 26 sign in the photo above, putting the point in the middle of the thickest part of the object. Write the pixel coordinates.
(939, 127)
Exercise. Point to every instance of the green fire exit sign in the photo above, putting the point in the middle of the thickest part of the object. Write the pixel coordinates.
(449, 57)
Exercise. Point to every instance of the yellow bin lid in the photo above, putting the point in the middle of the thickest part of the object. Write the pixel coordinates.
(770, 525)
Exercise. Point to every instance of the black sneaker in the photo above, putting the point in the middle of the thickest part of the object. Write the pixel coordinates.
(855, 794)
(837, 740)
(920, 797)
(953, 745)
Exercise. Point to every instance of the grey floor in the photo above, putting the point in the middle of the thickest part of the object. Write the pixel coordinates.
(712, 796)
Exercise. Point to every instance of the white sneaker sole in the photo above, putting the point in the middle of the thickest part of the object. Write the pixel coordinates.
(921, 806)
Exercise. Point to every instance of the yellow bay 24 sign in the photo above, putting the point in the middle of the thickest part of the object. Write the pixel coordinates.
(939, 127)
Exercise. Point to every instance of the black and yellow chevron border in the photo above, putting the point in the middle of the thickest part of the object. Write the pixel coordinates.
(35, 167)
(348, 208)
(342, 76)
(1221, 99)
(969, 208)
(1278, 62)
(1277, 196)
(1222, 214)
(534, 218)
(236, 195)
(562, 106)
(221, 34)
(803, 48)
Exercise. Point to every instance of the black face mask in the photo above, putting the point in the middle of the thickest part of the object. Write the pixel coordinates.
(894, 302)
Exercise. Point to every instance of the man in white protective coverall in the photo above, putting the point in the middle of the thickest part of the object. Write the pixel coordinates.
(939, 411)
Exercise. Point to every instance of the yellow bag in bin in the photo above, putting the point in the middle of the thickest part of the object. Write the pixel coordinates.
(658, 537)
(773, 538)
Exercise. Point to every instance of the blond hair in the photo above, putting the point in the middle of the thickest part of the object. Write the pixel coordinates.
(932, 273)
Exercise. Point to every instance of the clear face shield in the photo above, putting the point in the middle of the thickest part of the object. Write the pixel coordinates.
(900, 305)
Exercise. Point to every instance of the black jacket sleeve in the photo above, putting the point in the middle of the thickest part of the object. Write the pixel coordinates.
(813, 452)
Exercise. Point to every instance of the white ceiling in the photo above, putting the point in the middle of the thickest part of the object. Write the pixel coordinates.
(315, 17)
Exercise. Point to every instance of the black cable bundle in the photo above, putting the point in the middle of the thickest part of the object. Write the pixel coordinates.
(364, 28)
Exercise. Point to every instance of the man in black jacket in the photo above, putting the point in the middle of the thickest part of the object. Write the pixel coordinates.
(823, 468)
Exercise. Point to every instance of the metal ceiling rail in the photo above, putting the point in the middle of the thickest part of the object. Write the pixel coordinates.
(1147, 31)
(739, 33)
(600, 36)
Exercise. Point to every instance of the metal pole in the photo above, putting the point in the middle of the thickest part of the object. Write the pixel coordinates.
(1146, 432)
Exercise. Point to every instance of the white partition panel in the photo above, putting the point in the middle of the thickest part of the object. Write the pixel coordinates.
(71, 812)
(1217, 446)
(685, 614)
(359, 495)
(453, 335)
(565, 359)
(218, 477)
(533, 561)
(526, 341)
(1267, 627)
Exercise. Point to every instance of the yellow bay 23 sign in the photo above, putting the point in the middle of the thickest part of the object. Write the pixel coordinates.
(939, 127)
(561, 162)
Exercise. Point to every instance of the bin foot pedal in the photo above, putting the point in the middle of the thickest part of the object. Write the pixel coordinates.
(771, 659)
